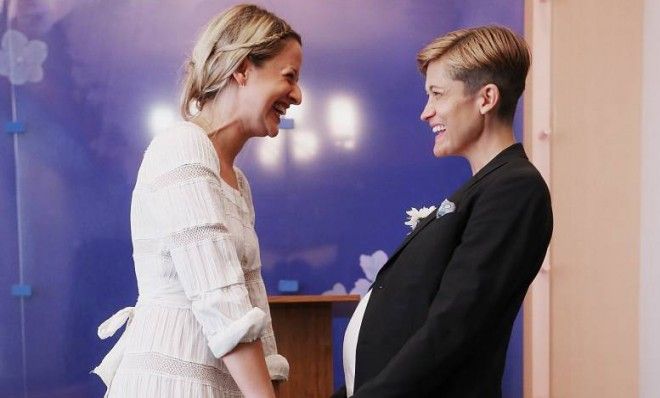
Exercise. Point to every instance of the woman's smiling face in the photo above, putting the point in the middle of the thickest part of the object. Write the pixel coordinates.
(451, 112)
(270, 89)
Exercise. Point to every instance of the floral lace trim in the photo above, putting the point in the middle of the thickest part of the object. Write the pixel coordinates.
(182, 238)
(151, 362)
(199, 234)
(252, 275)
(182, 174)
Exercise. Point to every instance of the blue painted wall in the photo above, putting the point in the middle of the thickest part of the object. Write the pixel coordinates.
(334, 192)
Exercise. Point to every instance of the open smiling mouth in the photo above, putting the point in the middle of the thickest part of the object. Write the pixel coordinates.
(280, 108)
(439, 129)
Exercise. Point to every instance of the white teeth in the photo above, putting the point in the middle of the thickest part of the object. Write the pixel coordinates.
(439, 128)
(280, 108)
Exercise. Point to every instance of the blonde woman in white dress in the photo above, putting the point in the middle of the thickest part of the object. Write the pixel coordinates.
(201, 326)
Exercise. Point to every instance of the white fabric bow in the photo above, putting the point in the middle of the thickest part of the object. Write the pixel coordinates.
(110, 326)
(108, 367)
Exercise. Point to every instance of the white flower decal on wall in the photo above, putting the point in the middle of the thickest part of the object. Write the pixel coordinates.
(370, 265)
(337, 288)
(21, 59)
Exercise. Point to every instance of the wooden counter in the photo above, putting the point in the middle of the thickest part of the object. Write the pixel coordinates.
(303, 330)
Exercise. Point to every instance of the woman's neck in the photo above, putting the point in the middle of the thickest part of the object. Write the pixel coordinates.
(223, 128)
(493, 140)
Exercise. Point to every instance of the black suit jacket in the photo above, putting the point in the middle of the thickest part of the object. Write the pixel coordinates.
(441, 309)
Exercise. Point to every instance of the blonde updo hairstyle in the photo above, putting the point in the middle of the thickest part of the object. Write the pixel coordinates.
(241, 32)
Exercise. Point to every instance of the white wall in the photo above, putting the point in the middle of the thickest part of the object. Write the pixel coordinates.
(650, 212)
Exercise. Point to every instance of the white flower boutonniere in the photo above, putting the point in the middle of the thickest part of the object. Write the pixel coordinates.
(415, 215)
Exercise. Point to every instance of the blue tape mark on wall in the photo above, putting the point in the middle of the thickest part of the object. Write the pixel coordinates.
(288, 286)
(286, 124)
(14, 127)
(21, 290)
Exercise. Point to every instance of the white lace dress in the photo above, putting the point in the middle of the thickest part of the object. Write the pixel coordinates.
(197, 265)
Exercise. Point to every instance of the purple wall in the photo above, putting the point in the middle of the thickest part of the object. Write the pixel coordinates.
(336, 191)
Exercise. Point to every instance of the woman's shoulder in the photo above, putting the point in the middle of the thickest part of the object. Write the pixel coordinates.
(517, 181)
(181, 143)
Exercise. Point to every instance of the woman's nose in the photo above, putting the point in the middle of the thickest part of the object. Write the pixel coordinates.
(296, 95)
(427, 112)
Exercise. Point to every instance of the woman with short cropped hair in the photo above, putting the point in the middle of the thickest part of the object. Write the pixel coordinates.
(438, 318)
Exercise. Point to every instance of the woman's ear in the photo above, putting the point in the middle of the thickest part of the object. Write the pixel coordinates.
(240, 75)
(488, 98)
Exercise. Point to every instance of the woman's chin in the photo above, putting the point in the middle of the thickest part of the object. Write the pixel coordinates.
(272, 131)
(266, 130)
(440, 152)
(272, 126)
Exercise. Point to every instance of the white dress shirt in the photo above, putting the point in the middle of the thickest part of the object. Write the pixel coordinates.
(350, 343)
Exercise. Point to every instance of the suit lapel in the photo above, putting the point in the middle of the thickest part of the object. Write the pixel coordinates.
(513, 151)
(422, 224)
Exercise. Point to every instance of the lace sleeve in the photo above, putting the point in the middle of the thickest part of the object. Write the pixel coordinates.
(278, 366)
(189, 205)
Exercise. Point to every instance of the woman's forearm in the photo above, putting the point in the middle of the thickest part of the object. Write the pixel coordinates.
(247, 366)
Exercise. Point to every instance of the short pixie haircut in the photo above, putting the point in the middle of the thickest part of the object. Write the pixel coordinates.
(480, 56)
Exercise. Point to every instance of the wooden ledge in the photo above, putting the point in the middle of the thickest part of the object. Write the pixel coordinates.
(340, 298)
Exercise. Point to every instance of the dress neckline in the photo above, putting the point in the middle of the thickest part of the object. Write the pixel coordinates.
(239, 178)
